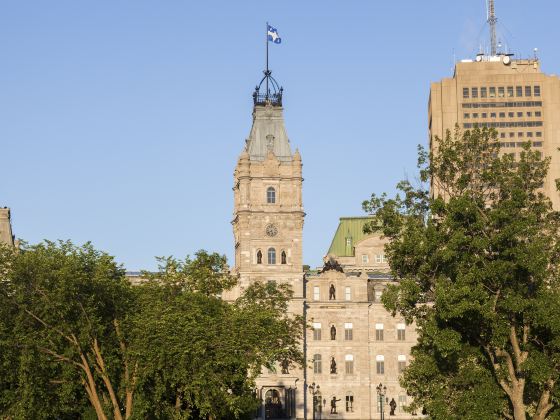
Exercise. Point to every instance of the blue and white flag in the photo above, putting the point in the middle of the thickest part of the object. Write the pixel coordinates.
(273, 35)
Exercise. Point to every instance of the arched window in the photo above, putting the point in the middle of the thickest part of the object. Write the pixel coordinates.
(283, 257)
(271, 256)
(271, 195)
(259, 257)
(317, 365)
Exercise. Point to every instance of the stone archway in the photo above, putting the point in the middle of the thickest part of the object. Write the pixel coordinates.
(273, 408)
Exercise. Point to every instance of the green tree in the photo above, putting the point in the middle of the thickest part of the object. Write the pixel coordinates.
(78, 340)
(478, 263)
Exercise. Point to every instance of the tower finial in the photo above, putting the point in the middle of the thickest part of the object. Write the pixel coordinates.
(492, 21)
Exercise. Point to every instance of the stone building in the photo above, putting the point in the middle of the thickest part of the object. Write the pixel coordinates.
(6, 236)
(355, 344)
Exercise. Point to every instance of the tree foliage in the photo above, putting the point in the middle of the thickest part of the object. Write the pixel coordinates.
(476, 248)
(78, 340)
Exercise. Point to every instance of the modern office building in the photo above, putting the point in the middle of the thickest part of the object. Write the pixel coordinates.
(510, 95)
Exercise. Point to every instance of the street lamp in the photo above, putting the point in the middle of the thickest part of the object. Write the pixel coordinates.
(315, 390)
(381, 391)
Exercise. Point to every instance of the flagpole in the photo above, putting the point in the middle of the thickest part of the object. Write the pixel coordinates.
(266, 73)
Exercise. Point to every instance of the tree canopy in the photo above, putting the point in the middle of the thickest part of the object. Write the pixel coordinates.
(78, 340)
(475, 245)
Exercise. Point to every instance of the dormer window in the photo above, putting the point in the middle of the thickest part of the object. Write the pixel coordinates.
(271, 195)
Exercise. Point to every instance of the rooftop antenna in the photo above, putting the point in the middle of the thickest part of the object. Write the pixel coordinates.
(492, 21)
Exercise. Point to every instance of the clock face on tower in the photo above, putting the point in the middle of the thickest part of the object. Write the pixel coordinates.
(271, 230)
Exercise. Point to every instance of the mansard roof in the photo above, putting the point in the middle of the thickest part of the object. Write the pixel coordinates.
(268, 133)
(348, 227)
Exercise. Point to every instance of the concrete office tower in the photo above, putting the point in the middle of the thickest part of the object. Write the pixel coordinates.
(513, 96)
(267, 228)
(6, 236)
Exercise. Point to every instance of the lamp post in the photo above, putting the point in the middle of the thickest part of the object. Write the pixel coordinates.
(381, 392)
(315, 391)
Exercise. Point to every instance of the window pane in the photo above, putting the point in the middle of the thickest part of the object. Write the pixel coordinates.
(316, 293)
(317, 366)
(465, 92)
(492, 92)
(518, 91)
(348, 293)
(501, 92)
(474, 92)
(537, 91)
(271, 195)
(271, 256)
(510, 91)
(483, 92)
(527, 90)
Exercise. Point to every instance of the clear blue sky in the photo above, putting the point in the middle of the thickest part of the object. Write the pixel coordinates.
(121, 121)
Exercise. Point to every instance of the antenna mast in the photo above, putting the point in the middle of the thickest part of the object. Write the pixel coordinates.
(492, 20)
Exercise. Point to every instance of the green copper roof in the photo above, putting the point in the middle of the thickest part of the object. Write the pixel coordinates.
(351, 228)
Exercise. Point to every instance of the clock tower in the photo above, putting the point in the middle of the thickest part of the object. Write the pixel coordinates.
(267, 227)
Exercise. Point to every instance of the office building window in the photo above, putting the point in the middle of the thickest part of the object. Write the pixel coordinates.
(475, 115)
(510, 91)
(347, 293)
(529, 114)
(271, 256)
(502, 135)
(520, 114)
(401, 363)
(484, 115)
(501, 92)
(380, 364)
(539, 134)
(511, 114)
(520, 134)
(349, 364)
(379, 332)
(348, 331)
(380, 258)
(465, 115)
(538, 113)
(474, 92)
(502, 114)
(365, 259)
(519, 91)
(529, 134)
(401, 332)
(317, 365)
(317, 331)
(492, 115)
(349, 402)
(537, 144)
(527, 90)
(316, 293)
(483, 92)
(492, 91)
(511, 134)
(537, 91)
(271, 195)
(465, 93)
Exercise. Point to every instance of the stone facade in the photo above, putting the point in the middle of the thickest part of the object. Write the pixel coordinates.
(267, 228)
(344, 300)
(351, 327)
(6, 236)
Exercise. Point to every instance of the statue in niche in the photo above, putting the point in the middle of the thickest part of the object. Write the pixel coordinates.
(285, 367)
(333, 332)
(332, 292)
(333, 405)
(392, 406)
(270, 142)
(333, 365)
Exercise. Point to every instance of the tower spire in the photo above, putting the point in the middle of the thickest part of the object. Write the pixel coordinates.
(492, 21)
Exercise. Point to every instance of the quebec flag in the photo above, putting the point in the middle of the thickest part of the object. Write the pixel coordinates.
(273, 35)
